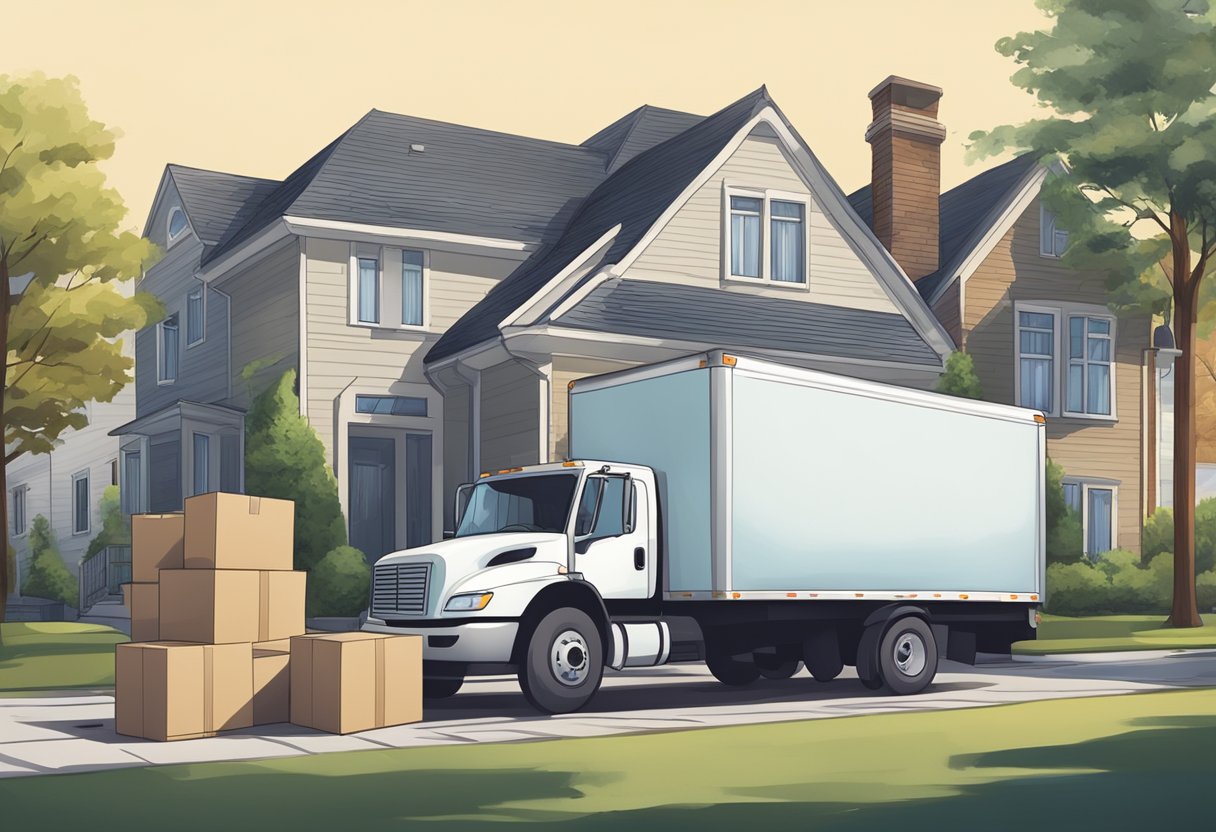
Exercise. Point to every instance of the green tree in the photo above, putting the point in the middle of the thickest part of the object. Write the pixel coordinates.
(1063, 524)
(960, 378)
(1130, 84)
(63, 260)
(46, 576)
(115, 526)
(284, 458)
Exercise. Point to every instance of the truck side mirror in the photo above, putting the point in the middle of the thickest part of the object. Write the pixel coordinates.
(628, 503)
(461, 503)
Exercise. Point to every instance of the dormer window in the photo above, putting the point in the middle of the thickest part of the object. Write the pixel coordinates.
(177, 224)
(766, 238)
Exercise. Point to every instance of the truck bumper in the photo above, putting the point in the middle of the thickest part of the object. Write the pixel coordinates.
(476, 642)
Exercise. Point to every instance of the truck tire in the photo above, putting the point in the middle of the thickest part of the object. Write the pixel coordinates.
(730, 670)
(777, 669)
(441, 687)
(564, 663)
(821, 652)
(867, 657)
(907, 655)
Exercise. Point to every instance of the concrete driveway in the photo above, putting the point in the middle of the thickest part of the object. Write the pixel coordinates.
(73, 732)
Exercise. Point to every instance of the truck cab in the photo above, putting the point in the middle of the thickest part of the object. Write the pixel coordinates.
(529, 542)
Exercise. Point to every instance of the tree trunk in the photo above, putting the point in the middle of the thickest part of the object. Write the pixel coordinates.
(1185, 609)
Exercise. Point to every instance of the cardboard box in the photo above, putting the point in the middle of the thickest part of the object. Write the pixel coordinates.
(143, 602)
(222, 606)
(174, 691)
(157, 542)
(236, 531)
(271, 687)
(279, 645)
(347, 682)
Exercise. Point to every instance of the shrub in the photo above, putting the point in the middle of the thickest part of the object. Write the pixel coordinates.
(1158, 534)
(284, 458)
(1063, 524)
(960, 379)
(339, 583)
(1119, 583)
(46, 576)
(115, 526)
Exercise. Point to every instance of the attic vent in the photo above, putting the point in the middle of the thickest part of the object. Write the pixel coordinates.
(417, 148)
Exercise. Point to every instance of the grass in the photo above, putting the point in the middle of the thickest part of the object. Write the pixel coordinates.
(1111, 763)
(56, 654)
(1107, 633)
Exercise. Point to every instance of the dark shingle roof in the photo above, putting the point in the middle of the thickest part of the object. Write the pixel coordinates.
(639, 131)
(465, 180)
(737, 320)
(634, 196)
(215, 202)
(965, 214)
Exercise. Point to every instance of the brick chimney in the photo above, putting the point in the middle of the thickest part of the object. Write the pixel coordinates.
(905, 174)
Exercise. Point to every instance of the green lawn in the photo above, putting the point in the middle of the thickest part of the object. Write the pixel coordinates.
(1105, 633)
(57, 654)
(1122, 762)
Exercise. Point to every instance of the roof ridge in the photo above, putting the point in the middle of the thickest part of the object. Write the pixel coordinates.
(443, 123)
(177, 166)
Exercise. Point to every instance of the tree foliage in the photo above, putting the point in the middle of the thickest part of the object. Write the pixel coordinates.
(1128, 86)
(960, 379)
(339, 583)
(115, 526)
(1064, 540)
(46, 576)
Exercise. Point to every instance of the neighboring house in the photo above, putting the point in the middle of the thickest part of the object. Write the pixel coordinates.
(65, 486)
(986, 257)
(438, 287)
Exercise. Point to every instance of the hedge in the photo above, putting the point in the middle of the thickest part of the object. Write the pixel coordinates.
(1119, 584)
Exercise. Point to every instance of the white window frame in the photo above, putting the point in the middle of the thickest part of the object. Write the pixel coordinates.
(201, 289)
(194, 462)
(1062, 312)
(767, 196)
(1047, 219)
(160, 348)
(426, 284)
(1067, 361)
(24, 492)
(389, 267)
(170, 237)
(127, 499)
(1086, 484)
(88, 512)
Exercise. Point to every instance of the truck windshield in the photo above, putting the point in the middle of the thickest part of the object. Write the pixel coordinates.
(520, 504)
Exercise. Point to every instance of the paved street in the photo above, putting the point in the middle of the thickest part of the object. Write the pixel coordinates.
(73, 732)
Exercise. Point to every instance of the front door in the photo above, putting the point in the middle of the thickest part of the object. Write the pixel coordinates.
(611, 536)
(372, 492)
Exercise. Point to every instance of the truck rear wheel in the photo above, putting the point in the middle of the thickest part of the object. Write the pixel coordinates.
(907, 656)
(776, 668)
(731, 670)
(821, 652)
(564, 664)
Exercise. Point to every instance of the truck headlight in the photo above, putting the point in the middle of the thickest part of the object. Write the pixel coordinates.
(472, 601)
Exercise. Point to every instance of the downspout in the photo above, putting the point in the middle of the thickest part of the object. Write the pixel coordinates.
(546, 404)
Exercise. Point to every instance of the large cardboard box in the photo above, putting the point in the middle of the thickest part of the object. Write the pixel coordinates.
(271, 686)
(157, 542)
(236, 531)
(143, 602)
(174, 691)
(346, 682)
(221, 606)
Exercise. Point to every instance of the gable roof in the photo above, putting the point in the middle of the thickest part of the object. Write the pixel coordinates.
(639, 131)
(406, 172)
(633, 197)
(215, 202)
(967, 211)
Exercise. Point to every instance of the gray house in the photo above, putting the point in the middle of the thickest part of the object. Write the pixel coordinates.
(437, 287)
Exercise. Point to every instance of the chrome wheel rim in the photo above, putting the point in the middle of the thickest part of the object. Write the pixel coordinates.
(909, 654)
(569, 658)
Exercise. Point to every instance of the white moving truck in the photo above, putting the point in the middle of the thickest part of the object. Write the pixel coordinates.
(743, 513)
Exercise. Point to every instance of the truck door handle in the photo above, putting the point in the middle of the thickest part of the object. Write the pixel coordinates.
(639, 558)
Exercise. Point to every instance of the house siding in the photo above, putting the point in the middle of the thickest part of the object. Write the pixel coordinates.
(265, 320)
(689, 248)
(565, 370)
(510, 416)
(1015, 271)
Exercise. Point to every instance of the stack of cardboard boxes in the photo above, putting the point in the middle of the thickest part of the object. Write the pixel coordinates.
(217, 617)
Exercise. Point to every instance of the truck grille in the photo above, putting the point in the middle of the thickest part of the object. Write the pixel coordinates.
(401, 588)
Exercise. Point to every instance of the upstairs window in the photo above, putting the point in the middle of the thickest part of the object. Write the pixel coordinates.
(80, 503)
(369, 290)
(768, 237)
(1052, 240)
(1089, 365)
(1065, 361)
(167, 349)
(177, 224)
(1036, 359)
(411, 288)
(388, 287)
(196, 320)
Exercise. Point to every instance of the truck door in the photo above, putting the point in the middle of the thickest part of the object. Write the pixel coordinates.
(611, 536)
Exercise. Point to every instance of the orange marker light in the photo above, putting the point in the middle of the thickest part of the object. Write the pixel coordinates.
(1040, 418)
(964, 596)
(736, 595)
(570, 386)
(729, 360)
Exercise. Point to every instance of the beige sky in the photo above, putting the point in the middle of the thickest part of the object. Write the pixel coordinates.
(256, 87)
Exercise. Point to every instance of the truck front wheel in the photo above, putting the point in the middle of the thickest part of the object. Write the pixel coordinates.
(564, 664)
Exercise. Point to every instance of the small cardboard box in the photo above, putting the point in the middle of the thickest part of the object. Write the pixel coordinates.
(174, 691)
(236, 531)
(279, 645)
(221, 606)
(271, 686)
(347, 682)
(156, 543)
(143, 602)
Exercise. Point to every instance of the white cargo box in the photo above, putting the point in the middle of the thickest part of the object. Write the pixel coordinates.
(780, 479)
